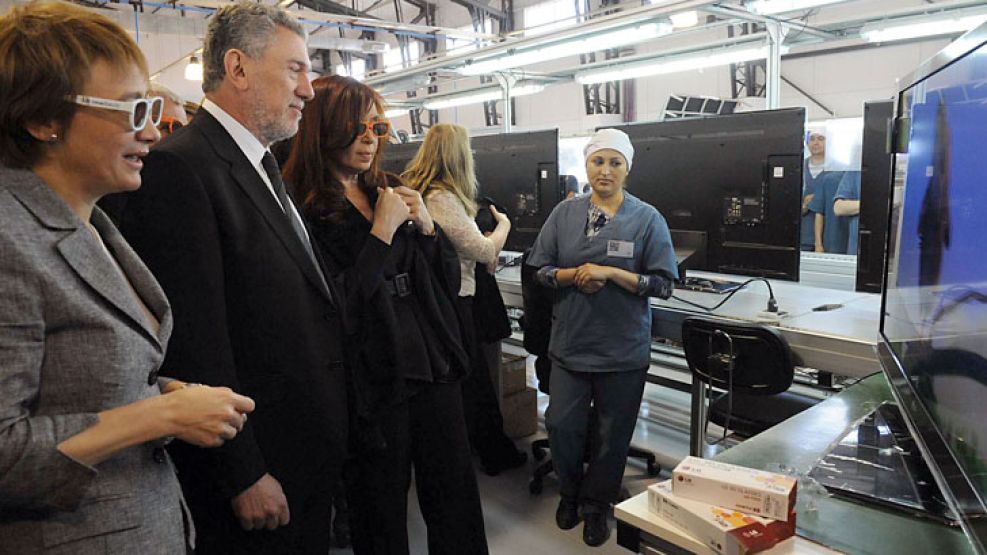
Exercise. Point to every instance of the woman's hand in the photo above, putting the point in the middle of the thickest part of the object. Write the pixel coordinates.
(591, 272)
(207, 416)
(590, 278)
(390, 213)
(500, 218)
(416, 209)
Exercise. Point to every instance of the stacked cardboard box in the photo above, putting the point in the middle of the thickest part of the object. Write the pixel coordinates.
(519, 403)
(513, 374)
(731, 509)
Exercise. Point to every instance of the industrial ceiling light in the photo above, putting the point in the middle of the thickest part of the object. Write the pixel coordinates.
(673, 64)
(396, 112)
(768, 7)
(609, 39)
(682, 20)
(193, 71)
(325, 42)
(480, 95)
(958, 21)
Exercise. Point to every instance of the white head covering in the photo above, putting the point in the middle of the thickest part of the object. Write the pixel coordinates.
(613, 139)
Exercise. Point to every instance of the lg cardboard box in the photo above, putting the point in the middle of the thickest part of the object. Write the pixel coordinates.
(513, 374)
(723, 530)
(520, 413)
(754, 492)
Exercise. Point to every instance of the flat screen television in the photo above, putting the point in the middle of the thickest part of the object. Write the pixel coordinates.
(518, 171)
(934, 314)
(735, 178)
(875, 195)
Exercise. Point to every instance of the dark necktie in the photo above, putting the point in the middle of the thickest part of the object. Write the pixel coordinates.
(274, 174)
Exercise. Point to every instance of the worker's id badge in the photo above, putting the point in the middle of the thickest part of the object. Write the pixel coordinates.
(620, 249)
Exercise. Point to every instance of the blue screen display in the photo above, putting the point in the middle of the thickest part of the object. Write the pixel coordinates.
(936, 298)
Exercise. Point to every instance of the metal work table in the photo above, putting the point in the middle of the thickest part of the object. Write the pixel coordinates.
(840, 341)
(842, 525)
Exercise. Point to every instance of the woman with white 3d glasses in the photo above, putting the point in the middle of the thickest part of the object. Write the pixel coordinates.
(83, 324)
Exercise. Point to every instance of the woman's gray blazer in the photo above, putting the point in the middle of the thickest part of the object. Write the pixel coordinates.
(74, 342)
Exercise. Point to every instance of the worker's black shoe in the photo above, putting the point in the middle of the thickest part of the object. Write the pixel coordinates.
(596, 531)
(567, 515)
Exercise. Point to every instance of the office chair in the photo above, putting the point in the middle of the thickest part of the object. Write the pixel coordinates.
(752, 364)
(539, 446)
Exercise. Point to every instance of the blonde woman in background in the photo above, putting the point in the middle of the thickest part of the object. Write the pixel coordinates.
(442, 171)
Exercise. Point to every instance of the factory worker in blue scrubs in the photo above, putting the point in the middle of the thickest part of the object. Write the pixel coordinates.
(846, 204)
(604, 254)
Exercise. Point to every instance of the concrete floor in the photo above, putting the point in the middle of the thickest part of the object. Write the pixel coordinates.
(519, 523)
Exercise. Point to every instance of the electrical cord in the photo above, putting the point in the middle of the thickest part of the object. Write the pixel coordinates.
(772, 303)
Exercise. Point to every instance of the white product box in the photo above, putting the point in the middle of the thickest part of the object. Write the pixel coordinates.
(755, 492)
(723, 530)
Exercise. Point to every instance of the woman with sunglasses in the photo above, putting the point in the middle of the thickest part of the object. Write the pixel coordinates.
(83, 323)
(406, 358)
(173, 115)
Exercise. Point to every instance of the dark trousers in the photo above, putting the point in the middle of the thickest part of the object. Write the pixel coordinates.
(425, 433)
(484, 422)
(218, 531)
(599, 408)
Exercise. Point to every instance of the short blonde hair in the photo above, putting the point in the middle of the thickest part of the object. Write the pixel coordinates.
(47, 50)
(445, 161)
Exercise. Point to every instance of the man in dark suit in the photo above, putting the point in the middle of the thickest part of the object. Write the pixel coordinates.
(253, 307)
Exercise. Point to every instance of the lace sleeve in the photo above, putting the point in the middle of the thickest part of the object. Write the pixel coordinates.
(461, 230)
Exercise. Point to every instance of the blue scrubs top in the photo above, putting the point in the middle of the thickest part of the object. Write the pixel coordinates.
(609, 330)
(849, 189)
(807, 234)
(836, 229)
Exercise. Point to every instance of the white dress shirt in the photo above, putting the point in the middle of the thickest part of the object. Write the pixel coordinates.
(252, 149)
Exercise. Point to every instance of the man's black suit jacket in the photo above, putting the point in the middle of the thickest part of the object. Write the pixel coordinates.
(250, 313)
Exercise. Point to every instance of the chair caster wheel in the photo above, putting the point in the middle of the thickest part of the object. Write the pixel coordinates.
(534, 487)
(653, 468)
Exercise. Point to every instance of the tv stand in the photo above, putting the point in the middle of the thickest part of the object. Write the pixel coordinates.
(878, 461)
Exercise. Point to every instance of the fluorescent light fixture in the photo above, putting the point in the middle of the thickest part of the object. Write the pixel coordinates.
(682, 20)
(193, 71)
(602, 41)
(923, 26)
(396, 113)
(673, 64)
(326, 42)
(767, 7)
(478, 96)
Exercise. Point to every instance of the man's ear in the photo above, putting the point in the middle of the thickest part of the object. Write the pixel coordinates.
(235, 62)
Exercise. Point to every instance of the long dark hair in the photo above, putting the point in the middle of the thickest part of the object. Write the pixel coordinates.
(327, 128)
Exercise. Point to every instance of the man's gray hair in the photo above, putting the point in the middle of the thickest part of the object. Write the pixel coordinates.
(245, 26)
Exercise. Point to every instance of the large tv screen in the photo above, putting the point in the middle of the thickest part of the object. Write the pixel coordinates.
(518, 171)
(934, 321)
(737, 179)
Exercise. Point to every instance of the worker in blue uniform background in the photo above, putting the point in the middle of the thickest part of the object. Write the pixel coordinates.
(604, 254)
(846, 204)
(819, 186)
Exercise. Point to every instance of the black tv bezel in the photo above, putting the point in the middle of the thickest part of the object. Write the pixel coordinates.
(792, 266)
(949, 474)
(875, 195)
